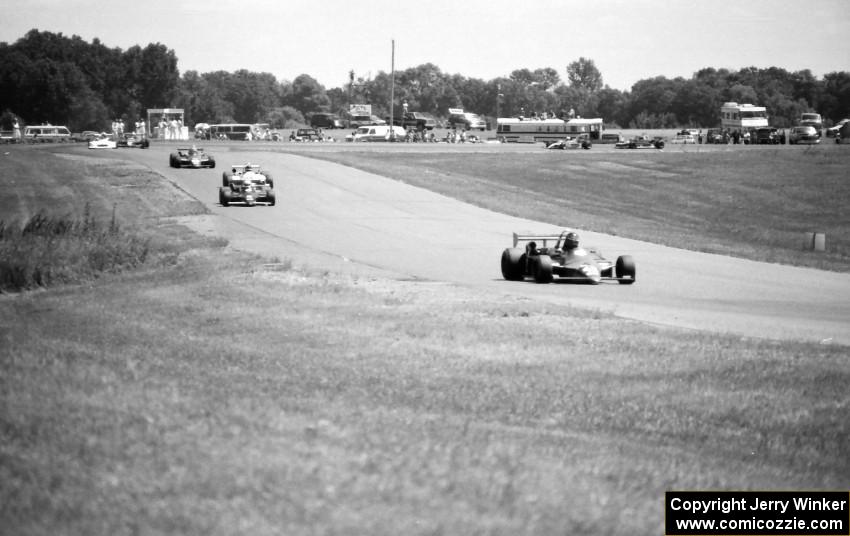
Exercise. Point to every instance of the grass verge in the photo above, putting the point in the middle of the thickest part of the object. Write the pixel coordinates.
(751, 202)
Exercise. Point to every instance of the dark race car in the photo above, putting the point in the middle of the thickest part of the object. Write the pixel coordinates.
(246, 184)
(641, 142)
(130, 140)
(192, 157)
(564, 259)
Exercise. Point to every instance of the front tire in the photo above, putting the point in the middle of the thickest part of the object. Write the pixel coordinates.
(513, 268)
(626, 271)
(224, 197)
(543, 269)
(226, 178)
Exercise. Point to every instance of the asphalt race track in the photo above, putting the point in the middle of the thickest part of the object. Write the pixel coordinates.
(342, 218)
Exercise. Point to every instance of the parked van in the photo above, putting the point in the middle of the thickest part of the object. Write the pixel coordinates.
(231, 131)
(44, 133)
(323, 120)
(465, 120)
(378, 133)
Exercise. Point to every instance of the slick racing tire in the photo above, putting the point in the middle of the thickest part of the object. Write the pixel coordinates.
(513, 268)
(269, 179)
(543, 269)
(225, 179)
(270, 198)
(224, 197)
(625, 268)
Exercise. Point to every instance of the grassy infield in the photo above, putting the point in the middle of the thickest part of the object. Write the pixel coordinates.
(209, 392)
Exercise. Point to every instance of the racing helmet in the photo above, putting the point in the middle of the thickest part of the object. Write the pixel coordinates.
(571, 240)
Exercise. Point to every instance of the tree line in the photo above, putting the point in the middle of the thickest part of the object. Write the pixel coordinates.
(49, 77)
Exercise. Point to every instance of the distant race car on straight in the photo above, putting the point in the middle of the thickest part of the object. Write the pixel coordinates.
(564, 258)
(192, 157)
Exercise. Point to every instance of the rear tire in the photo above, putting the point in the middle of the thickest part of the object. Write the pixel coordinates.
(543, 269)
(226, 178)
(513, 268)
(270, 198)
(625, 268)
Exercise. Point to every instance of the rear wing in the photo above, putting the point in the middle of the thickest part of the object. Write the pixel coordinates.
(542, 238)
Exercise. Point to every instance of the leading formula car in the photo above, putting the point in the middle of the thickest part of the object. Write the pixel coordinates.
(565, 259)
(193, 157)
(248, 184)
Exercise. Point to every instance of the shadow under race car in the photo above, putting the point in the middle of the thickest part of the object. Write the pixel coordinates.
(565, 259)
(193, 157)
(246, 184)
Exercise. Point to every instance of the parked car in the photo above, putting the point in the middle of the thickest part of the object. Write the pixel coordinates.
(305, 134)
(833, 130)
(682, 138)
(323, 120)
(714, 135)
(811, 119)
(803, 134)
(768, 136)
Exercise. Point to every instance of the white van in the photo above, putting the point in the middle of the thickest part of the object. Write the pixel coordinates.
(43, 133)
(378, 133)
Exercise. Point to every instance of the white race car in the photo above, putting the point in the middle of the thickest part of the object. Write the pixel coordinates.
(103, 142)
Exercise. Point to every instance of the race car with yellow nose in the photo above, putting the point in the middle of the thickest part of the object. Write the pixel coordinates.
(545, 256)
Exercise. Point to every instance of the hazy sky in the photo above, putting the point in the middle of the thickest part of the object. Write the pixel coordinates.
(628, 40)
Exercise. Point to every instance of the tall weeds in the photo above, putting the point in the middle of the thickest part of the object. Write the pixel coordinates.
(47, 250)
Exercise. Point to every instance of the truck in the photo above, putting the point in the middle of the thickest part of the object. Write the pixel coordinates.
(413, 121)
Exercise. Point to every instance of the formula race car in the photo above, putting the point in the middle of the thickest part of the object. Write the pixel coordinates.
(102, 142)
(641, 142)
(246, 184)
(580, 142)
(131, 140)
(565, 259)
(193, 157)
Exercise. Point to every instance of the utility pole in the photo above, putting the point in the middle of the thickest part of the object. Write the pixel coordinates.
(392, 89)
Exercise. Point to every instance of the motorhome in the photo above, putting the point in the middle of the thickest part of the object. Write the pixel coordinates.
(531, 130)
(743, 118)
